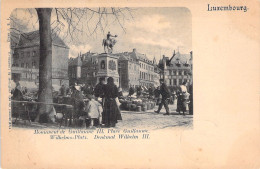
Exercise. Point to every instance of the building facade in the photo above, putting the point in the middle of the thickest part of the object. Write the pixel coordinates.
(83, 69)
(134, 69)
(26, 58)
(128, 71)
(178, 70)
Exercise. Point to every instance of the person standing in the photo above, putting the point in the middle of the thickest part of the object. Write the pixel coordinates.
(164, 91)
(191, 99)
(99, 89)
(138, 91)
(151, 92)
(185, 102)
(183, 98)
(17, 94)
(62, 91)
(77, 100)
(111, 113)
(131, 91)
(183, 87)
(94, 110)
(157, 95)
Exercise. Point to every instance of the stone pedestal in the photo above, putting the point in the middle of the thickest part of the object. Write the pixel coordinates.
(108, 67)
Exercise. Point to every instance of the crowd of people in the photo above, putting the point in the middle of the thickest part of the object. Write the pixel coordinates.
(99, 105)
(165, 95)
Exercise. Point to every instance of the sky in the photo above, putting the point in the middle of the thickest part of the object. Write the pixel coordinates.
(152, 31)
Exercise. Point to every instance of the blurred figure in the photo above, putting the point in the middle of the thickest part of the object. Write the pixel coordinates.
(164, 91)
(63, 91)
(25, 91)
(182, 98)
(77, 100)
(131, 91)
(150, 91)
(157, 95)
(120, 93)
(191, 99)
(139, 91)
(17, 93)
(183, 87)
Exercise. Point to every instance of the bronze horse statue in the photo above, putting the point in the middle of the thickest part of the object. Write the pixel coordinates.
(109, 44)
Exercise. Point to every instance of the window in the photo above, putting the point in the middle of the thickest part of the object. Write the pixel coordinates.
(180, 72)
(102, 65)
(28, 54)
(185, 72)
(180, 81)
(27, 65)
(22, 54)
(22, 65)
(34, 53)
(33, 64)
(175, 81)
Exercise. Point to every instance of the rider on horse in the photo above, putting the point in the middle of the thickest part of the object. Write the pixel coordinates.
(109, 36)
(109, 42)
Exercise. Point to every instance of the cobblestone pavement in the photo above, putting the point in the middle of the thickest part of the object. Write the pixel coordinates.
(144, 120)
(152, 120)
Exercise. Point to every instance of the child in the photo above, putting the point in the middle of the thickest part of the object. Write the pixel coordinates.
(185, 101)
(94, 110)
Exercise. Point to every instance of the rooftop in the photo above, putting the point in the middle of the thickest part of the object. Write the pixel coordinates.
(33, 38)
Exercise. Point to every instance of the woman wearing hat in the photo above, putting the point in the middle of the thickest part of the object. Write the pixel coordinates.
(111, 112)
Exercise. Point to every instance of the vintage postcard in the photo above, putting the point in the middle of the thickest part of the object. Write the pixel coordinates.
(130, 84)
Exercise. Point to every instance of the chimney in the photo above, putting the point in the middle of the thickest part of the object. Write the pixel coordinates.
(134, 50)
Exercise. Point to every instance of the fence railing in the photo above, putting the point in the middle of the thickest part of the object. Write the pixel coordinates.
(28, 110)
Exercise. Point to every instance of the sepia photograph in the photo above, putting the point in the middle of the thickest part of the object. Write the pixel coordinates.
(101, 67)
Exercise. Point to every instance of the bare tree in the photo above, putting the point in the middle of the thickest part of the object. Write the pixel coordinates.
(70, 22)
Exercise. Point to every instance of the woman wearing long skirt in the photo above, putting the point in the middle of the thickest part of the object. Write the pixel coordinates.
(111, 113)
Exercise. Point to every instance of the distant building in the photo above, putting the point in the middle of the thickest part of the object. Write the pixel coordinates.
(89, 68)
(83, 69)
(74, 70)
(179, 69)
(128, 70)
(136, 69)
(26, 58)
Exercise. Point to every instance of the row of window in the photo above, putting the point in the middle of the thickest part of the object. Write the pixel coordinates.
(146, 76)
(145, 66)
(174, 81)
(180, 72)
(25, 65)
(25, 54)
(131, 66)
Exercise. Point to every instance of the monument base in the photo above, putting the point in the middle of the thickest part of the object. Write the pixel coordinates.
(108, 67)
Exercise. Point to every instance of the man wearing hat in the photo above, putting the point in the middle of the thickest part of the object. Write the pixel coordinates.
(164, 91)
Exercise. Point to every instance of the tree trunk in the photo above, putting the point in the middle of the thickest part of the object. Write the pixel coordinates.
(45, 64)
